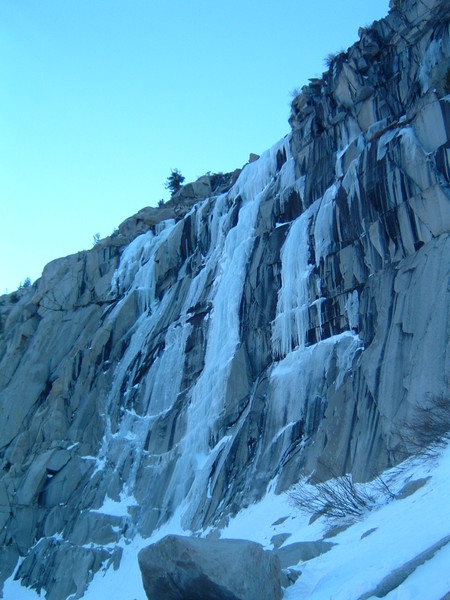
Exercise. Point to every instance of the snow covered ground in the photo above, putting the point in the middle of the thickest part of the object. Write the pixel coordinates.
(395, 545)
(400, 530)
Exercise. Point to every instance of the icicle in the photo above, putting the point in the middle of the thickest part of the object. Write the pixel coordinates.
(291, 322)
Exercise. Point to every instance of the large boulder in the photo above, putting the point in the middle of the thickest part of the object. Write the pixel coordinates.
(180, 567)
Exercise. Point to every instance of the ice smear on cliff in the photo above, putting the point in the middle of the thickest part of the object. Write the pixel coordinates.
(290, 324)
(324, 223)
(226, 264)
(137, 264)
(432, 56)
(257, 175)
(208, 395)
(303, 370)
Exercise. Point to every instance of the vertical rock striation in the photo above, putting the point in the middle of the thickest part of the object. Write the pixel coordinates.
(282, 322)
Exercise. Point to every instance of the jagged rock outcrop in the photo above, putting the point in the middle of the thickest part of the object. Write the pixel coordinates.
(176, 208)
(179, 567)
(285, 324)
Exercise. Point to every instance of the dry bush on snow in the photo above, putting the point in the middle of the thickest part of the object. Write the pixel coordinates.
(335, 498)
(428, 430)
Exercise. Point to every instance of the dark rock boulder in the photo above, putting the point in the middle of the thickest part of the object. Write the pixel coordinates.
(184, 568)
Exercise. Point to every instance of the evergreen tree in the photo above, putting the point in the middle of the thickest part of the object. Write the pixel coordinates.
(174, 181)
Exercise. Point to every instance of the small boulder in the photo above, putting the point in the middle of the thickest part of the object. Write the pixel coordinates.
(301, 551)
(279, 539)
(178, 567)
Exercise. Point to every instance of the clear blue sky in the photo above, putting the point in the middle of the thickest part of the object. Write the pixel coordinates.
(100, 99)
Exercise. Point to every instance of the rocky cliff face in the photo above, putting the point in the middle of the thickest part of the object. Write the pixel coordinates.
(284, 322)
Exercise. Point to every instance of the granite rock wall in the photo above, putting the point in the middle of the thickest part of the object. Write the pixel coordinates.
(284, 320)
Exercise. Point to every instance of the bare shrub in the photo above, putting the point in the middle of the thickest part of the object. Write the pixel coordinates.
(425, 433)
(428, 430)
(382, 485)
(295, 93)
(333, 57)
(335, 498)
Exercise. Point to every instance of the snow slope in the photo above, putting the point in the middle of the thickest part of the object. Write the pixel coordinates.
(395, 545)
